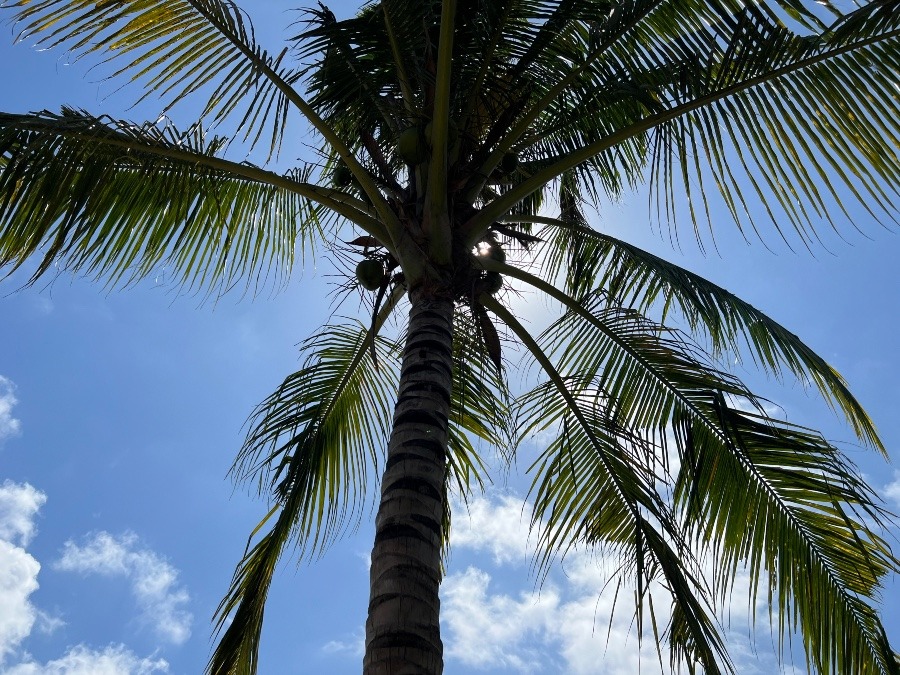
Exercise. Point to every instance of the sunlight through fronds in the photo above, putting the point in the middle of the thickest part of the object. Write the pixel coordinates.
(447, 132)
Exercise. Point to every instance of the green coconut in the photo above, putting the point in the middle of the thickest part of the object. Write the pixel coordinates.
(370, 274)
(493, 282)
(509, 163)
(411, 145)
(341, 176)
(496, 252)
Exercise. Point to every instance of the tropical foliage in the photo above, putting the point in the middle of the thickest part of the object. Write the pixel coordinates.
(461, 143)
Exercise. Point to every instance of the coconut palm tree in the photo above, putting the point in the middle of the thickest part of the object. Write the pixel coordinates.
(461, 142)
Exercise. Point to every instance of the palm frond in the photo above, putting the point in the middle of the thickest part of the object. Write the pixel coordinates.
(786, 143)
(238, 650)
(653, 381)
(436, 224)
(479, 414)
(784, 504)
(479, 408)
(177, 47)
(787, 505)
(721, 81)
(595, 485)
(118, 200)
(174, 48)
(634, 278)
(312, 444)
(349, 83)
(319, 431)
(558, 60)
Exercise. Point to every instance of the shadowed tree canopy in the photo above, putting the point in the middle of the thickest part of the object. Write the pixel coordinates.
(461, 144)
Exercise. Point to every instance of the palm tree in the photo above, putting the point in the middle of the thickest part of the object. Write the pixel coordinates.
(460, 144)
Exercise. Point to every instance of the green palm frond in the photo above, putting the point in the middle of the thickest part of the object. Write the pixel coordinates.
(699, 81)
(319, 431)
(787, 505)
(479, 407)
(595, 485)
(312, 443)
(806, 93)
(174, 48)
(118, 200)
(648, 371)
(782, 503)
(568, 254)
(237, 652)
(631, 277)
(352, 85)
(809, 508)
(479, 414)
(177, 47)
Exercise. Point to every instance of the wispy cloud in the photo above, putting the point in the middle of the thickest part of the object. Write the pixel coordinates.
(354, 645)
(81, 660)
(154, 582)
(19, 617)
(563, 628)
(9, 425)
(19, 505)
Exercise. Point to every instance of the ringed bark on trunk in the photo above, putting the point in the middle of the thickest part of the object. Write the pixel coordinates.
(402, 629)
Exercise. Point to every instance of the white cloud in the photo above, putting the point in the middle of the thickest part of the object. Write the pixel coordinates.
(9, 425)
(19, 505)
(741, 403)
(590, 643)
(892, 490)
(353, 646)
(502, 529)
(80, 660)
(565, 626)
(558, 629)
(18, 580)
(495, 631)
(154, 582)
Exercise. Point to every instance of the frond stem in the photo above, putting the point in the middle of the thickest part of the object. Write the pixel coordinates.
(646, 531)
(437, 225)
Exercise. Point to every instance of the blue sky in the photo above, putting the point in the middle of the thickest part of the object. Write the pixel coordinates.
(121, 410)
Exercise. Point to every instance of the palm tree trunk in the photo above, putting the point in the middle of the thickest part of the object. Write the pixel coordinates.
(402, 630)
